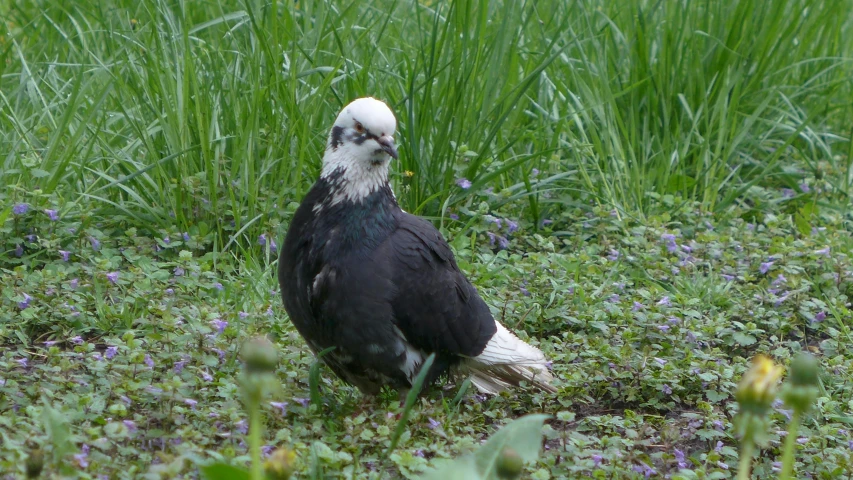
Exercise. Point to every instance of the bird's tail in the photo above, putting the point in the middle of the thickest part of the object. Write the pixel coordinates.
(505, 362)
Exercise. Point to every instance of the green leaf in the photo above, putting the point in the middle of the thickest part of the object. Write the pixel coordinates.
(56, 425)
(223, 471)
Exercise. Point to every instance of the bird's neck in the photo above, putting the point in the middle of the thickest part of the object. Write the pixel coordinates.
(353, 179)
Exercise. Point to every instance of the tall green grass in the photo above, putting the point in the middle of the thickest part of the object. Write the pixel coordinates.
(213, 115)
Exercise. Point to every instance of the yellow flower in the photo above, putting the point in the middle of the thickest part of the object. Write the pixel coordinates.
(281, 464)
(757, 388)
(409, 173)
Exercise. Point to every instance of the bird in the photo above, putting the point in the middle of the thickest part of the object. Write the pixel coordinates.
(382, 286)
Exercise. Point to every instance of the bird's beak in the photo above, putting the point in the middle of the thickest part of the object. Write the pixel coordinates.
(387, 144)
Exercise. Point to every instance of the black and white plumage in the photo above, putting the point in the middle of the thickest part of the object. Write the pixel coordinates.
(381, 285)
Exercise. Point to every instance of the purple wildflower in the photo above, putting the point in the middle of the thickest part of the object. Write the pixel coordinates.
(169, 291)
(637, 306)
(273, 246)
(780, 280)
(596, 460)
(788, 193)
(663, 328)
(65, 254)
(419, 453)
(281, 406)
(463, 183)
(262, 239)
(722, 465)
(804, 187)
(167, 240)
(679, 457)
(667, 390)
(73, 283)
(148, 362)
(218, 286)
(433, 424)
(302, 401)
(665, 302)
(126, 399)
(131, 426)
(53, 215)
(511, 226)
(491, 238)
(669, 240)
(719, 447)
(524, 291)
(219, 325)
(269, 311)
(78, 340)
(82, 457)
(26, 302)
(614, 255)
(453, 216)
(613, 298)
(803, 440)
(765, 267)
(178, 367)
(96, 244)
(242, 427)
(206, 376)
(19, 250)
(186, 236)
(23, 362)
(660, 361)
(503, 243)
(179, 272)
(821, 316)
(822, 251)
(20, 208)
(111, 352)
(113, 277)
(50, 343)
(727, 277)
(192, 403)
(243, 314)
(644, 469)
(776, 466)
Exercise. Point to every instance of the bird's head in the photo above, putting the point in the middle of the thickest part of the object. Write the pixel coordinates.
(361, 145)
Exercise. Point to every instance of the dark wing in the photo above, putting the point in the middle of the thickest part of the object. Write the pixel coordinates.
(435, 306)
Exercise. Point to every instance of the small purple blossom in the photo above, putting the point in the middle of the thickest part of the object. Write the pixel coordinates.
(821, 316)
(65, 254)
(719, 447)
(614, 298)
(185, 236)
(169, 291)
(669, 241)
(433, 424)
(218, 286)
(803, 440)
(804, 187)
(167, 240)
(665, 302)
(131, 426)
(192, 403)
(780, 280)
(206, 376)
(82, 457)
(49, 343)
(765, 267)
(262, 239)
(242, 427)
(722, 465)
(179, 272)
(148, 361)
(614, 255)
(113, 277)
(503, 243)
(243, 314)
(219, 325)
(281, 406)
(302, 401)
(727, 277)
(637, 306)
(667, 390)
(23, 362)
(126, 399)
(19, 250)
(419, 453)
(53, 215)
(453, 216)
(269, 312)
(463, 183)
(178, 367)
(664, 328)
(679, 458)
(644, 469)
(111, 352)
(20, 208)
(96, 244)
(511, 226)
(596, 460)
(78, 340)
(492, 238)
(26, 302)
(73, 283)
(273, 246)
(822, 251)
(660, 361)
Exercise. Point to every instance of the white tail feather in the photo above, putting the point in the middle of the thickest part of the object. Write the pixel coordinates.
(505, 362)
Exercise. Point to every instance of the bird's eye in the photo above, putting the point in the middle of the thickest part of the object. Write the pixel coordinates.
(359, 127)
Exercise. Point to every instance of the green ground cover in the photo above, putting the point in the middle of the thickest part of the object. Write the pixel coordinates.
(650, 192)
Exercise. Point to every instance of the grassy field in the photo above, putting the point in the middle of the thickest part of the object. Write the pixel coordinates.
(658, 191)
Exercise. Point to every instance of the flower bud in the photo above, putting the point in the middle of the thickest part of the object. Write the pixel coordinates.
(509, 464)
(260, 355)
(281, 464)
(757, 388)
(804, 370)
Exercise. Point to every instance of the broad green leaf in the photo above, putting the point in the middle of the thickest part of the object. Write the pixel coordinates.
(223, 471)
